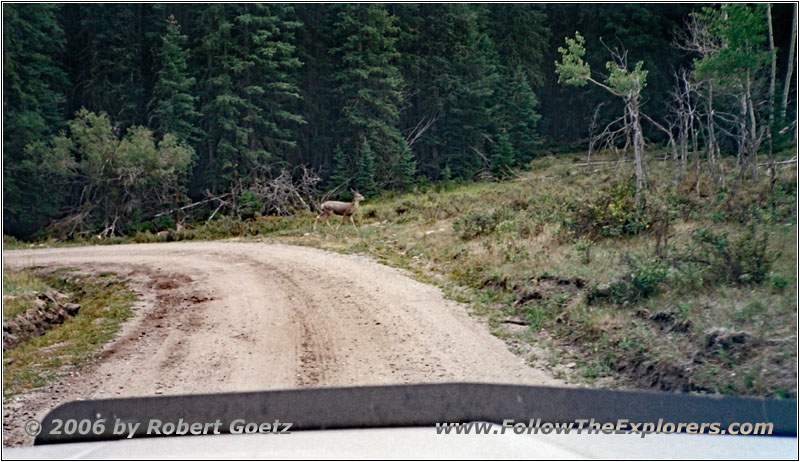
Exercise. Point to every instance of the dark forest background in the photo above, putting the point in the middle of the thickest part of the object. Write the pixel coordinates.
(136, 109)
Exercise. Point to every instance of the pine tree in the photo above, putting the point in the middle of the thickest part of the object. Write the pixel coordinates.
(109, 48)
(404, 169)
(453, 70)
(173, 104)
(247, 89)
(33, 104)
(369, 88)
(364, 179)
(221, 108)
(267, 84)
(502, 156)
(521, 117)
(520, 33)
(341, 175)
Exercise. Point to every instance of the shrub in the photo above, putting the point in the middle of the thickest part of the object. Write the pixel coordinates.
(249, 204)
(642, 282)
(760, 202)
(584, 248)
(164, 222)
(741, 261)
(147, 226)
(479, 222)
(612, 212)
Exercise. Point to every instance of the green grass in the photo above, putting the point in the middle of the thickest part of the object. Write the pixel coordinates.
(20, 290)
(541, 248)
(487, 243)
(105, 304)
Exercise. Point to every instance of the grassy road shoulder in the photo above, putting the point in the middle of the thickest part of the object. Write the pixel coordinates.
(53, 350)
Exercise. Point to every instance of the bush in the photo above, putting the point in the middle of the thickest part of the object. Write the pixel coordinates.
(584, 248)
(757, 202)
(147, 226)
(612, 212)
(479, 222)
(249, 204)
(164, 222)
(641, 283)
(739, 261)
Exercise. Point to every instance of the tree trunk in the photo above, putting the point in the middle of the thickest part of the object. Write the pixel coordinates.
(684, 138)
(696, 155)
(751, 133)
(638, 149)
(773, 70)
(790, 64)
(741, 152)
(710, 123)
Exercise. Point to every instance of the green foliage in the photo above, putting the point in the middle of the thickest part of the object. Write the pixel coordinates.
(404, 169)
(779, 280)
(164, 222)
(369, 88)
(342, 171)
(647, 32)
(740, 29)
(433, 87)
(621, 82)
(502, 156)
(33, 105)
(626, 82)
(521, 117)
(572, 69)
(521, 34)
(612, 212)
(742, 260)
(249, 203)
(643, 281)
(248, 91)
(479, 222)
(584, 248)
(118, 178)
(173, 99)
(452, 62)
(364, 179)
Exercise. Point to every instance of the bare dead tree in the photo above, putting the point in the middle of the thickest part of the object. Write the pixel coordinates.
(422, 126)
(668, 130)
(613, 134)
(284, 193)
(790, 64)
(592, 128)
(697, 38)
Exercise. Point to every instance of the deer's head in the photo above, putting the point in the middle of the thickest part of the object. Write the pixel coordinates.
(357, 197)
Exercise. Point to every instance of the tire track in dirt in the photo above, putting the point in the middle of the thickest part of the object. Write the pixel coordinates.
(232, 316)
(313, 347)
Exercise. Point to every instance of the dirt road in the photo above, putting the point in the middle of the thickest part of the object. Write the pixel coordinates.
(228, 316)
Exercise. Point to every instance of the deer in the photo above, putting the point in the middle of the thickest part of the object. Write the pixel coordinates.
(345, 209)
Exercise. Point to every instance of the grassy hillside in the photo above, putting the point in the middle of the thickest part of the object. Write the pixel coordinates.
(692, 292)
(695, 291)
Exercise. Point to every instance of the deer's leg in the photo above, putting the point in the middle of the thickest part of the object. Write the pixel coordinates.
(340, 223)
(354, 223)
(324, 216)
